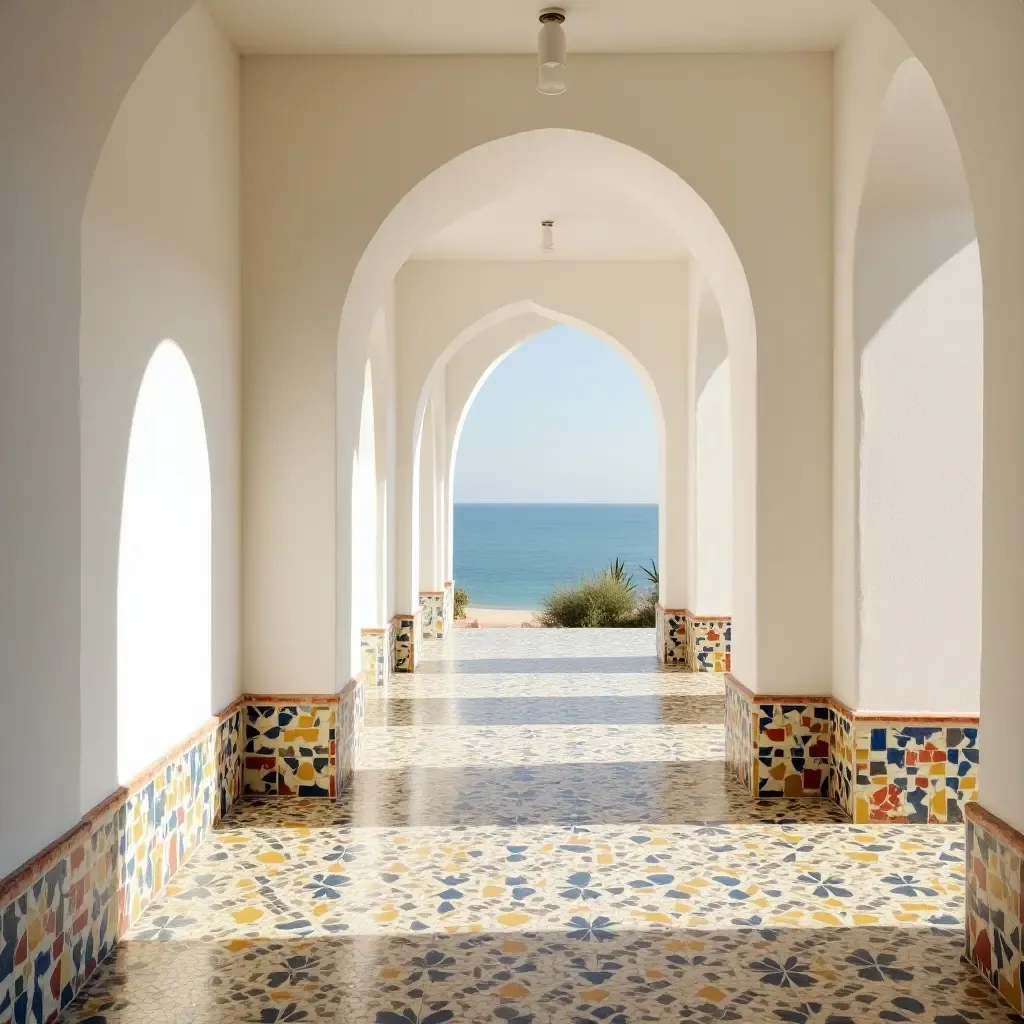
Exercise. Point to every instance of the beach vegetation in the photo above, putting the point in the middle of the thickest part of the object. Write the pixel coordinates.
(461, 602)
(607, 600)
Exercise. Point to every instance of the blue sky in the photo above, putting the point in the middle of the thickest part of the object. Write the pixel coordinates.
(563, 418)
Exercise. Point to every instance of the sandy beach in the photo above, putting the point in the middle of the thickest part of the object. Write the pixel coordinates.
(491, 617)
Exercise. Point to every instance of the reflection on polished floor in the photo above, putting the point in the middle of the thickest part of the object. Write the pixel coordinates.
(541, 831)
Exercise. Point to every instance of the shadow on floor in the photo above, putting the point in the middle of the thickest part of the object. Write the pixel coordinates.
(584, 970)
(574, 796)
(569, 665)
(641, 709)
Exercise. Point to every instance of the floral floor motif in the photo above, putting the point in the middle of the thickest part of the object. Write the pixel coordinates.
(541, 830)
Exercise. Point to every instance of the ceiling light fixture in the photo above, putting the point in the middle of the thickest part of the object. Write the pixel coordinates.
(547, 238)
(551, 52)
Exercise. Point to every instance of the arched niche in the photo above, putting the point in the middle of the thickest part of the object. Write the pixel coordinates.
(919, 357)
(164, 589)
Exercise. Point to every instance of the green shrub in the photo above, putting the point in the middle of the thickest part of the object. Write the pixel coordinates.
(608, 600)
(595, 602)
(461, 603)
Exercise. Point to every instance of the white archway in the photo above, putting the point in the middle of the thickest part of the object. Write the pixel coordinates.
(164, 600)
(498, 168)
(516, 316)
(919, 357)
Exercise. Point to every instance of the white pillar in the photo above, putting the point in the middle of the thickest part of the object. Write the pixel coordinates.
(710, 435)
(427, 517)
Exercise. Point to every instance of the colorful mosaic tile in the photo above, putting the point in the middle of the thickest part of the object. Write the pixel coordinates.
(432, 615)
(918, 772)
(710, 642)
(915, 772)
(449, 605)
(842, 757)
(375, 646)
(995, 903)
(406, 634)
(792, 750)
(350, 731)
(672, 645)
(741, 726)
(229, 760)
(538, 844)
(57, 930)
(696, 644)
(291, 748)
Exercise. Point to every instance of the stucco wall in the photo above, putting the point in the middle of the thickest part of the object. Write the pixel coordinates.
(63, 74)
(160, 260)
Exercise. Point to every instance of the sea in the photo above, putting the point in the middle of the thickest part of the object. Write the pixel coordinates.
(513, 556)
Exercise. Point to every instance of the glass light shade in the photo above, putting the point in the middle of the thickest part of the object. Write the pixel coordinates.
(551, 58)
(551, 79)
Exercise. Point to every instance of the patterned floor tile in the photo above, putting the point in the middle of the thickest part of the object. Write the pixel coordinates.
(541, 830)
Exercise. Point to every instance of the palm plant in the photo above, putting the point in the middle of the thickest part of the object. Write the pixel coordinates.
(651, 574)
(617, 571)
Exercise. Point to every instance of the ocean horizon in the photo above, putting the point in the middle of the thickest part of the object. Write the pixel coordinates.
(512, 555)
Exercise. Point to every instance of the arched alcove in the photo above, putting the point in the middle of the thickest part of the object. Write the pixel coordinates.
(164, 567)
(494, 169)
(918, 344)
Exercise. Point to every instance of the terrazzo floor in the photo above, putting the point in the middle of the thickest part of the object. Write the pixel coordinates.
(542, 830)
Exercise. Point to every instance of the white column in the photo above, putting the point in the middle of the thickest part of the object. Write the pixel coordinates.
(710, 436)
(427, 517)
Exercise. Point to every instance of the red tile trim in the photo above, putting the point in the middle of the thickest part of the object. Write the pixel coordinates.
(375, 629)
(25, 875)
(844, 709)
(701, 617)
(35, 867)
(431, 593)
(294, 698)
(234, 706)
(1005, 833)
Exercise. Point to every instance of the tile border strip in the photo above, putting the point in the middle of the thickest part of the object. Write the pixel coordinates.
(35, 867)
(914, 718)
(31, 870)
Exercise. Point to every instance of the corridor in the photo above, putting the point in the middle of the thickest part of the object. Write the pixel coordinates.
(542, 830)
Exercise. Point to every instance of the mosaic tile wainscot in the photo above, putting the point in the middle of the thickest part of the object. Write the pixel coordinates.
(375, 647)
(696, 643)
(995, 902)
(432, 615)
(670, 626)
(899, 769)
(63, 911)
(291, 745)
(449, 604)
(405, 634)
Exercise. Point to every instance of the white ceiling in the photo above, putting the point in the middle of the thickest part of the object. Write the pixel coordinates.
(590, 224)
(510, 26)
